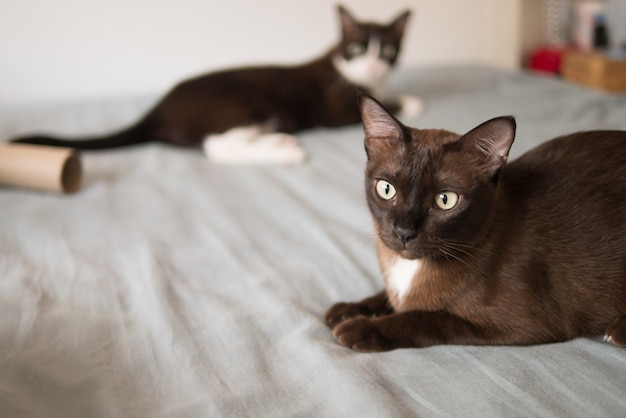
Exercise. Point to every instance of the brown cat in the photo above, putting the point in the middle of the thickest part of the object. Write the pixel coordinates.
(477, 251)
(249, 114)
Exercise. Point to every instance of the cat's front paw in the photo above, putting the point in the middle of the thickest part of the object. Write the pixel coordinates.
(361, 334)
(339, 312)
(410, 106)
(245, 147)
(281, 148)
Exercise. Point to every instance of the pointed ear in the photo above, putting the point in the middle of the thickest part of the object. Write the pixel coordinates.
(383, 132)
(491, 142)
(349, 25)
(399, 23)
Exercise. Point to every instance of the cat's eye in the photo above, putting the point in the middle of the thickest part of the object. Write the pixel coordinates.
(446, 200)
(353, 49)
(388, 51)
(385, 189)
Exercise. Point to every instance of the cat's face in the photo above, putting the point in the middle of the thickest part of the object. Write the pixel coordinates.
(368, 51)
(430, 192)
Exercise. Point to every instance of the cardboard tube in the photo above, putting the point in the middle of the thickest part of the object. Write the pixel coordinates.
(40, 167)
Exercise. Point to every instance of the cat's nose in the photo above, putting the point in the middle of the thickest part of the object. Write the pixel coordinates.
(405, 234)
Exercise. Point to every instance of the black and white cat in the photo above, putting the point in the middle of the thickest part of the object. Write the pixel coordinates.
(250, 115)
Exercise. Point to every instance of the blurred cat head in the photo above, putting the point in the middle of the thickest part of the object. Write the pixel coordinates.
(368, 51)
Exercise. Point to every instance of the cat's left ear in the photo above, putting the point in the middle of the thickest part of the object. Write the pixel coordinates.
(491, 142)
(349, 26)
(383, 132)
(399, 23)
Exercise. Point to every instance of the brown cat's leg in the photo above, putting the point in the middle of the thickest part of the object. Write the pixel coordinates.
(373, 306)
(616, 332)
(409, 329)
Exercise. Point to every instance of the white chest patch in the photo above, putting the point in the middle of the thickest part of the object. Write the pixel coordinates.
(367, 70)
(400, 274)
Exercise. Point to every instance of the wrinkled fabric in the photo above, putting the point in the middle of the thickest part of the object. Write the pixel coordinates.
(172, 287)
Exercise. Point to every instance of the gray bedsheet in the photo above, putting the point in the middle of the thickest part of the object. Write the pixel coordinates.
(171, 287)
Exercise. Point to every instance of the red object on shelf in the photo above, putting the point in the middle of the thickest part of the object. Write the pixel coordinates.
(547, 59)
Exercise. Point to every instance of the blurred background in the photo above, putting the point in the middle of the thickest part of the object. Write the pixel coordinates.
(66, 49)
(74, 49)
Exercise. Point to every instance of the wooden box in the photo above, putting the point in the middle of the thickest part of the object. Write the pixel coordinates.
(595, 70)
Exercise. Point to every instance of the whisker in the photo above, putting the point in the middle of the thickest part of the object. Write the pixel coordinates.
(454, 249)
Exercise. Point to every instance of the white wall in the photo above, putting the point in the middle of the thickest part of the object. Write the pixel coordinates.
(52, 50)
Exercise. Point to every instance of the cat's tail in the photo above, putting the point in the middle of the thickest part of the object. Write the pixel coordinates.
(136, 134)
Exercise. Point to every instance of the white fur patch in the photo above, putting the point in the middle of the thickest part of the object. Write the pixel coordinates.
(253, 145)
(367, 70)
(400, 275)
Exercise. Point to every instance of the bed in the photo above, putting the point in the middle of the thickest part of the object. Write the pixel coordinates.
(171, 287)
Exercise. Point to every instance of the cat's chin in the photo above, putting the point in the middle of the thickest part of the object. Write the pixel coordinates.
(411, 255)
(407, 253)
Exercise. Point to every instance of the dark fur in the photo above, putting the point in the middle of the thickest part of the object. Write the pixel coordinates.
(291, 99)
(534, 251)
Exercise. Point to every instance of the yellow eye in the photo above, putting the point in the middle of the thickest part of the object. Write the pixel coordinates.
(385, 189)
(446, 200)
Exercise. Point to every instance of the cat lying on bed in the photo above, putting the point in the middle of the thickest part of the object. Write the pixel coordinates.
(474, 251)
(250, 114)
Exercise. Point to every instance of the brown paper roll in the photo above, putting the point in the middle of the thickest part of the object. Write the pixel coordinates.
(40, 167)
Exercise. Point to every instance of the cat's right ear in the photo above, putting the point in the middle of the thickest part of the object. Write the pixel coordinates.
(399, 23)
(383, 132)
(491, 142)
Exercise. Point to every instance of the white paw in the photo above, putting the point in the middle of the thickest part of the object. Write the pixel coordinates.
(270, 148)
(280, 148)
(410, 106)
(277, 139)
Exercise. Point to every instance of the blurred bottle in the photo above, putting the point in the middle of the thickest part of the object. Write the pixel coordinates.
(600, 34)
(589, 25)
(616, 25)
